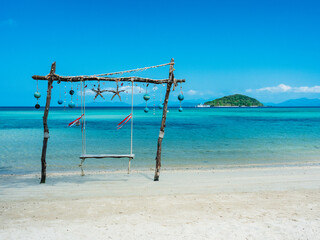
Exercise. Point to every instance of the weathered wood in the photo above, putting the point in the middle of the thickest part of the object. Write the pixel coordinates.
(56, 77)
(45, 126)
(163, 122)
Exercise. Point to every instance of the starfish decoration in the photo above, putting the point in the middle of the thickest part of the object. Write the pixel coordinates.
(116, 92)
(98, 92)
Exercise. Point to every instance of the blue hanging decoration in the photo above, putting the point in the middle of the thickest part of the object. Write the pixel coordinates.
(65, 98)
(154, 98)
(180, 98)
(60, 100)
(71, 104)
(160, 106)
(37, 95)
(146, 97)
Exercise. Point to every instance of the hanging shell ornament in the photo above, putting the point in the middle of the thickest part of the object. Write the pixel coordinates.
(180, 97)
(146, 97)
(37, 95)
(71, 104)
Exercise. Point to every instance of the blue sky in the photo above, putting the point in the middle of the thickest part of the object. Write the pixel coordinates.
(265, 49)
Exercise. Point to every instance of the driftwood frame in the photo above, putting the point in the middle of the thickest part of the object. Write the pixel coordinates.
(52, 76)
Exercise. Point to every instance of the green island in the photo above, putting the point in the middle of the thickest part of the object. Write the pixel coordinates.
(236, 100)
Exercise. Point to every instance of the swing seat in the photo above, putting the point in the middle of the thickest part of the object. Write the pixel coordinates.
(85, 156)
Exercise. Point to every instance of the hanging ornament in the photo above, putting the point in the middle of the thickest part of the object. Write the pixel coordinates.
(77, 95)
(180, 98)
(160, 106)
(65, 97)
(116, 92)
(60, 100)
(37, 95)
(71, 104)
(154, 98)
(146, 97)
(98, 91)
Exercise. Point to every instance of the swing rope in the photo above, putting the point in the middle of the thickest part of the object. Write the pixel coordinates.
(83, 130)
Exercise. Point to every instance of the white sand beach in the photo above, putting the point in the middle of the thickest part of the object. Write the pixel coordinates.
(249, 203)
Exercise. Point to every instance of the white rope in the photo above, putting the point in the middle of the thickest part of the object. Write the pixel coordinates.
(131, 117)
(122, 72)
(84, 117)
(132, 70)
(131, 125)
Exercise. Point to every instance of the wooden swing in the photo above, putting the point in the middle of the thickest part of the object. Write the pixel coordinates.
(52, 76)
(84, 155)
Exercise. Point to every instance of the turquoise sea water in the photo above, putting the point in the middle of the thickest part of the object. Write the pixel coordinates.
(195, 138)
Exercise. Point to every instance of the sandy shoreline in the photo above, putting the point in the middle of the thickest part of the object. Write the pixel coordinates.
(265, 203)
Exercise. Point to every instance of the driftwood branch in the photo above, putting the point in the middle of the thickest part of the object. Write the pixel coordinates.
(56, 77)
(45, 125)
(163, 122)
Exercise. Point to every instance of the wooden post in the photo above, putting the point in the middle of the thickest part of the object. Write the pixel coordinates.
(45, 125)
(163, 122)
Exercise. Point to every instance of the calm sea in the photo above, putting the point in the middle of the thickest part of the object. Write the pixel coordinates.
(195, 138)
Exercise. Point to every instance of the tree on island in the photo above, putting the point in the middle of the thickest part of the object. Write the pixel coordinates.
(237, 100)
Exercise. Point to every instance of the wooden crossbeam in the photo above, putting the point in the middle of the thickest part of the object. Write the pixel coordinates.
(55, 77)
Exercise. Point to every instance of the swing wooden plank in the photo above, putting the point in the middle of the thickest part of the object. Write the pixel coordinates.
(107, 156)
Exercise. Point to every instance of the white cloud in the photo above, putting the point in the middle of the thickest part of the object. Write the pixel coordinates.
(282, 88)
(314, 89)
(276, 89)
(192, 92)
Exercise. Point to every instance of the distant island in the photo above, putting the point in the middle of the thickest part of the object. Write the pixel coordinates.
(300, 102)
(236, 100)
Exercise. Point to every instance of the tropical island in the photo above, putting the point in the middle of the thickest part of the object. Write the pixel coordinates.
(236, 100)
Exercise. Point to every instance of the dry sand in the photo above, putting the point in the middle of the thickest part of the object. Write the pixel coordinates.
(263, 203)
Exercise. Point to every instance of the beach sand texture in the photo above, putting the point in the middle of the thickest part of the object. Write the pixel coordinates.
(261, 203)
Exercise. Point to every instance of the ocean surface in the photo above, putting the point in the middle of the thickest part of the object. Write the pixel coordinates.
(197, 138)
